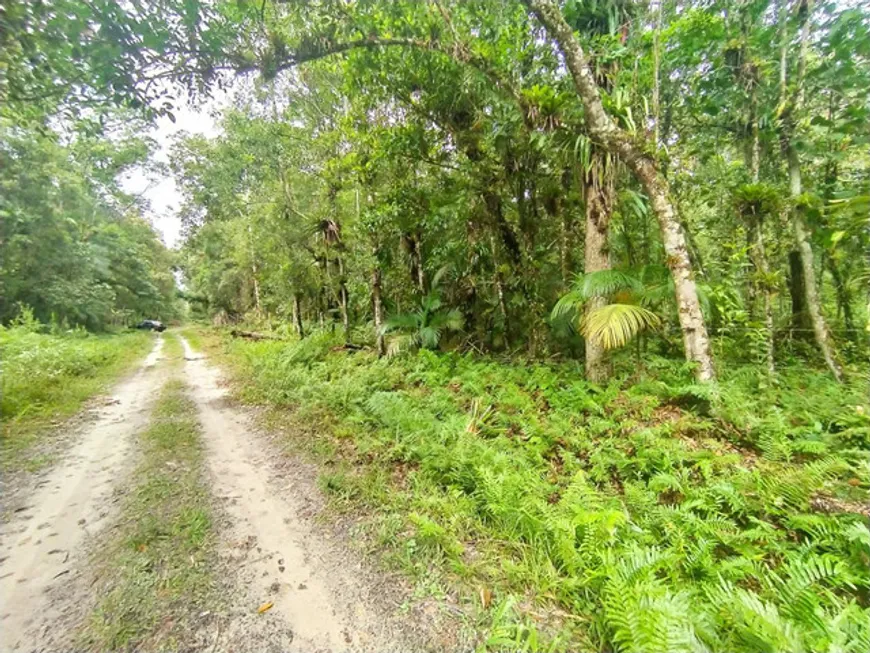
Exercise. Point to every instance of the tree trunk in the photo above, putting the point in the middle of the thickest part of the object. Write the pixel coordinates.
(256, 288)
(297, 316)
(657, 65)
(812, 301)
(564, 249)
(499, 290)
(560, 208)
(421, 272)
(844, 295)
(343, 299)
(800, 319)
(762, 270)
(492, 202)
(756, 226)
(378, 307)
(254, 270)
(321, 308)
(597, 258)
(801, 231)
(411, 243)
(603, 129)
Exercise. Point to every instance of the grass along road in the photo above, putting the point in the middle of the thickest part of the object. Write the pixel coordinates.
(47, 378)
(155, 576)
(42, 541)
(170, 527)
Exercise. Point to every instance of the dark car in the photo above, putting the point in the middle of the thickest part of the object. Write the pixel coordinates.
(151, 325)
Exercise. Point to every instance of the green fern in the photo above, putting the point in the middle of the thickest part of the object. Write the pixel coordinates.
(651, 524)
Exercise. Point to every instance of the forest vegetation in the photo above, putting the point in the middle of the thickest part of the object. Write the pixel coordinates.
(76, 251)
(572, 297)
(47, 376)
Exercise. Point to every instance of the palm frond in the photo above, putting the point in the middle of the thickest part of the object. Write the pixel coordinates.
(425, 325)
(431, 302)
(451, 320)
(438, 277)
(402, 321)
(568, 305)
(605, 283)
(429, 337)
(615, 325)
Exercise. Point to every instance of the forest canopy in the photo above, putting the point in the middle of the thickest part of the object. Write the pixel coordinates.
(451, 179)
(573, 176)
(75, 250)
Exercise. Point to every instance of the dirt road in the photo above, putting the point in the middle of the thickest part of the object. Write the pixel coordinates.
(319, 595)
(43, 540)
(322, 600)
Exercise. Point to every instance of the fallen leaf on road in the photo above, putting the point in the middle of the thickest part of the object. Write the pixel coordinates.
(485, 597)
(264, 607)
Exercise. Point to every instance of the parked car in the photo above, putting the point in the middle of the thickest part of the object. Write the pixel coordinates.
(151, 325)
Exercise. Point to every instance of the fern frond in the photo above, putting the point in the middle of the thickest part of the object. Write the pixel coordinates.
(568, 305)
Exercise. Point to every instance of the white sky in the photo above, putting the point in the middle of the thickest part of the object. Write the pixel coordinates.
(161, 192)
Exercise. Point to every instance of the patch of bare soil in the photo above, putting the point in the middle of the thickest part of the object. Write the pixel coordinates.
(292, 586)
(42, 543)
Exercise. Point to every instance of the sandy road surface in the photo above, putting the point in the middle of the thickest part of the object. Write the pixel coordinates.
(43, 540)
(320, 601)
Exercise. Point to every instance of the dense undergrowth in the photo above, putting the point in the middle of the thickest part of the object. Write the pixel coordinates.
(48, 376)
(650, 514)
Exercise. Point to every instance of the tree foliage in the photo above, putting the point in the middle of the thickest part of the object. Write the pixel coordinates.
(74, 249)
(451, 136)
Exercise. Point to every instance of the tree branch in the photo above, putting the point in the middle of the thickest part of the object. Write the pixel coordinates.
(458, 52)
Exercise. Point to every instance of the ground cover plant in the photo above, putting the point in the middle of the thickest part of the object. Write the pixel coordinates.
(48, 376)
(650, 512)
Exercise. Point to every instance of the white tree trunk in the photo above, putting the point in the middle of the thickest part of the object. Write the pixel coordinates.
(378, 306)
(805, 250)
(759, 255)
(801, 232)
(256, 288)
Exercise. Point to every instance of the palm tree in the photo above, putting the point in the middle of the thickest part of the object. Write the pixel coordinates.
(422, 327)
(625, 310)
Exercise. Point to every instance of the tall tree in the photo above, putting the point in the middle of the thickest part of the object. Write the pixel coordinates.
(602, 128)
(791, 105)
